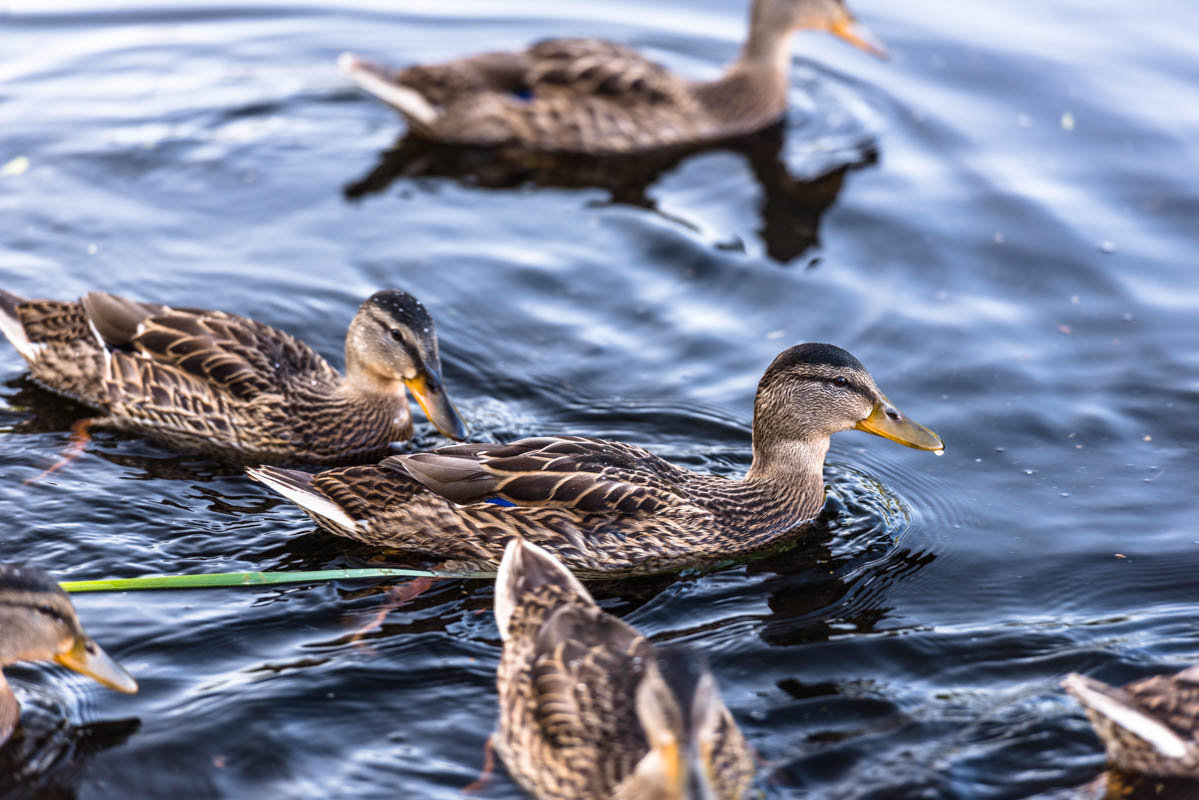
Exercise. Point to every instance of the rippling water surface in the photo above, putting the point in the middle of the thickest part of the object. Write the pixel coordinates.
(1000, 222)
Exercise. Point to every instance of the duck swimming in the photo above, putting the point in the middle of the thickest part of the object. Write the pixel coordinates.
(38, 623)
(609, 508)
(595, 96)
(590, 709)
(219, 384)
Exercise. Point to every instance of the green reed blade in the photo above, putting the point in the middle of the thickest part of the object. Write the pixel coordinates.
(218, 579)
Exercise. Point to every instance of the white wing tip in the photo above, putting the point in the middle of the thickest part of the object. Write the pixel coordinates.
(311, 501)
(1141, 725)
(347, 62)
(408, 102)
(14, 331)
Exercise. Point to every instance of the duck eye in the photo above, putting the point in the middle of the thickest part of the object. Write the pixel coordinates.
(841, 381)
(397, 334)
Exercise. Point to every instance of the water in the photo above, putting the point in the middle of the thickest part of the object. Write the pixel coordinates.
(999, 222)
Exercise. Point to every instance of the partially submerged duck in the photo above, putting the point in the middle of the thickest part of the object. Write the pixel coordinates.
(595, 96)
(38, 623)
(590, 709)
(216, 383)
(609, 508)
(1150, 726)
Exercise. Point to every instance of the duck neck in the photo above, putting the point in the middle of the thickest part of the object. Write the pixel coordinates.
(752, 93)
(768, 44)
(10, 711)
(788, 477)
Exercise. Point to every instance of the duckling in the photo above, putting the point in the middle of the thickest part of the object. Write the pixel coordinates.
(215, 383)
(590, 709)
(595, 96)
(37, 623)
(1150, 726)
(609, 508)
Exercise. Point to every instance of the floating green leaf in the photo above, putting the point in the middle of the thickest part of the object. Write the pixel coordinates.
(225, 579)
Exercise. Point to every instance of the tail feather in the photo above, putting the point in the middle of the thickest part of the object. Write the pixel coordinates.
(296, 486)
(1109, 702)
(13, 328)
(526, 567)
(420, 113)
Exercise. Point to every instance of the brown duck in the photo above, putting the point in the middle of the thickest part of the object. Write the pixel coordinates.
(224, 385)
(608, 508)
(38, 623)
(591, 710)
(1150, 726)
(595, 96)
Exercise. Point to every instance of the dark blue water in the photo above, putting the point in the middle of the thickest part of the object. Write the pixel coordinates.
(1000, 222)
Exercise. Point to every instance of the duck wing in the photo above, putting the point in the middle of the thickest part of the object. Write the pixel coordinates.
(600, 68)
(234, 354)
(573, 472)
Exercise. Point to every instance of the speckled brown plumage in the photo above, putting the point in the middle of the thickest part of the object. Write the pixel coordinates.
(608, 507)
(595, 96)
(590, 709)
(1150, 726)
(38, 623)
(216, 383)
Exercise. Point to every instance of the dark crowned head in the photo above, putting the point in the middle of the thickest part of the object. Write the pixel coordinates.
(811, 391)
(392, 340)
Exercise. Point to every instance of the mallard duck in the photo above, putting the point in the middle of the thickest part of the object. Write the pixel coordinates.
(607, 508)
(38, 623)
(220, 384)
(590, 709)
(1150, 726)
(594, 96)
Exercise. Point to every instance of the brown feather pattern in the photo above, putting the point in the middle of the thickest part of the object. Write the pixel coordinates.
(602, 507)
(610, 508)
(567, 681)
(206, 381)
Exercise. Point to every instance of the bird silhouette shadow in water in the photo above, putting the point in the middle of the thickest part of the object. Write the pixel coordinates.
(790, 208)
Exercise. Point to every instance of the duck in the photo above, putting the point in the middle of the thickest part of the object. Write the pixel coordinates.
(38, 623)
(594, 96)
(1149, 726)
(219, 384)
(590, 709)
(609, 508)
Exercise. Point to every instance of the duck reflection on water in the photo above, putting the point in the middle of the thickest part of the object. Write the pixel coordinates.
(790, 208)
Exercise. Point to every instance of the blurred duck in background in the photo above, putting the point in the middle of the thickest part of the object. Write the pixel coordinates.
(1150, 726)
(38, 623)
(595, 96)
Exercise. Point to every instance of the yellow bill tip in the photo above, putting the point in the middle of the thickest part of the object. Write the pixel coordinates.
(436, 404)
(87, 658)
(888, 422)
(860, 36)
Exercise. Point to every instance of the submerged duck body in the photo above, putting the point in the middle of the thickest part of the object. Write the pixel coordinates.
(38, 623)
(216, 383)
(1150, 726)
(595, 96)
(590, 709)
(609, 508)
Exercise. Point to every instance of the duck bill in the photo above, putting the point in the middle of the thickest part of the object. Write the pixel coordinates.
(86, 658)
(428, 391)
(887, 421)
(860, 36)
